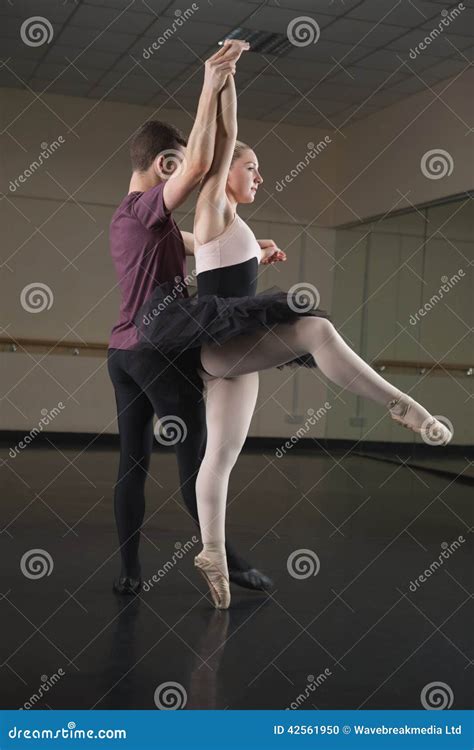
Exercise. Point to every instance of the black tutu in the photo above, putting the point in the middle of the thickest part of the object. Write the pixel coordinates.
(174, 323)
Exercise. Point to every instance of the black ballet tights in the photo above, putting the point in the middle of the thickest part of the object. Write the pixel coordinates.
(139, 394)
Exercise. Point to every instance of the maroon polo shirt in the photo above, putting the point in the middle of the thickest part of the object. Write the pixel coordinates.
(147, 249)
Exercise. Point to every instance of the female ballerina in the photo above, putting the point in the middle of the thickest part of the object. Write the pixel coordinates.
(236, 332)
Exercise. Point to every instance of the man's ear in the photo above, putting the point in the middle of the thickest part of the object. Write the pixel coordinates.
(158, 167)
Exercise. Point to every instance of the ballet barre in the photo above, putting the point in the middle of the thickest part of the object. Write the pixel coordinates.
(410, 367)
(46, 346)
(76, 348)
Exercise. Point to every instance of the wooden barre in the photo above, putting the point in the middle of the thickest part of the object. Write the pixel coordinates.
(95, 349)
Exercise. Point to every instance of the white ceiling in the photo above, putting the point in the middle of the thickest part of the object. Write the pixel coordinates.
(359, 64)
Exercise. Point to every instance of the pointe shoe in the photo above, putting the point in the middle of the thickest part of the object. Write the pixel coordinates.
(216, 580)
(431, 429)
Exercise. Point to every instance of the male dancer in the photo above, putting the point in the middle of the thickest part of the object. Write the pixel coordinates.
(148, 248)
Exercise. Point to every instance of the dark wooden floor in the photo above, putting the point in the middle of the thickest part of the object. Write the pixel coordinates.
(355, 635)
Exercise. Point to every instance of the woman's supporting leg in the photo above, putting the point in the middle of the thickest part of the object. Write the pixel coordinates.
(230, 404)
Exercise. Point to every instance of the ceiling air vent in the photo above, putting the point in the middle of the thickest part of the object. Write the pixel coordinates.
(262, 41)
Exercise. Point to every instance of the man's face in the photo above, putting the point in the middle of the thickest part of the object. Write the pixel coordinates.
(170, 162)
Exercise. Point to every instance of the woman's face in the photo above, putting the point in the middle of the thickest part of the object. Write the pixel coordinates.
(244, 177)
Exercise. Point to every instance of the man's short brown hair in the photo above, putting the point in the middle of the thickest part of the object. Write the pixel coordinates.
(151, 139)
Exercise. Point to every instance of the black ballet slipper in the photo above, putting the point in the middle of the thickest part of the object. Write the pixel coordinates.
(251, 579)
(127, 585)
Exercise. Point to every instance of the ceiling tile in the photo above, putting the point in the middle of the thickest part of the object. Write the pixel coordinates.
(56, 12)
(352, 31)
(323, 51)
(15, 49)
(102, 41)
(225, 12)
(277, 19)
(137, 6)
(357, 76)
(437, 47)
(389, 60)
(462, 24)
(100, 19)
(404, 13)
(315, 7)
(80, 57)
(191, 31)
(174, 49)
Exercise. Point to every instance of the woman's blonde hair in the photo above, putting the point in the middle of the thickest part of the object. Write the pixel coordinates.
(239, 149)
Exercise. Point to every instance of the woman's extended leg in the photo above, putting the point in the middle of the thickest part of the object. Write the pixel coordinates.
(230, 403)
(335, 359)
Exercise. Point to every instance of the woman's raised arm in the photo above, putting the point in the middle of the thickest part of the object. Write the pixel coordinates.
(213, 211)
